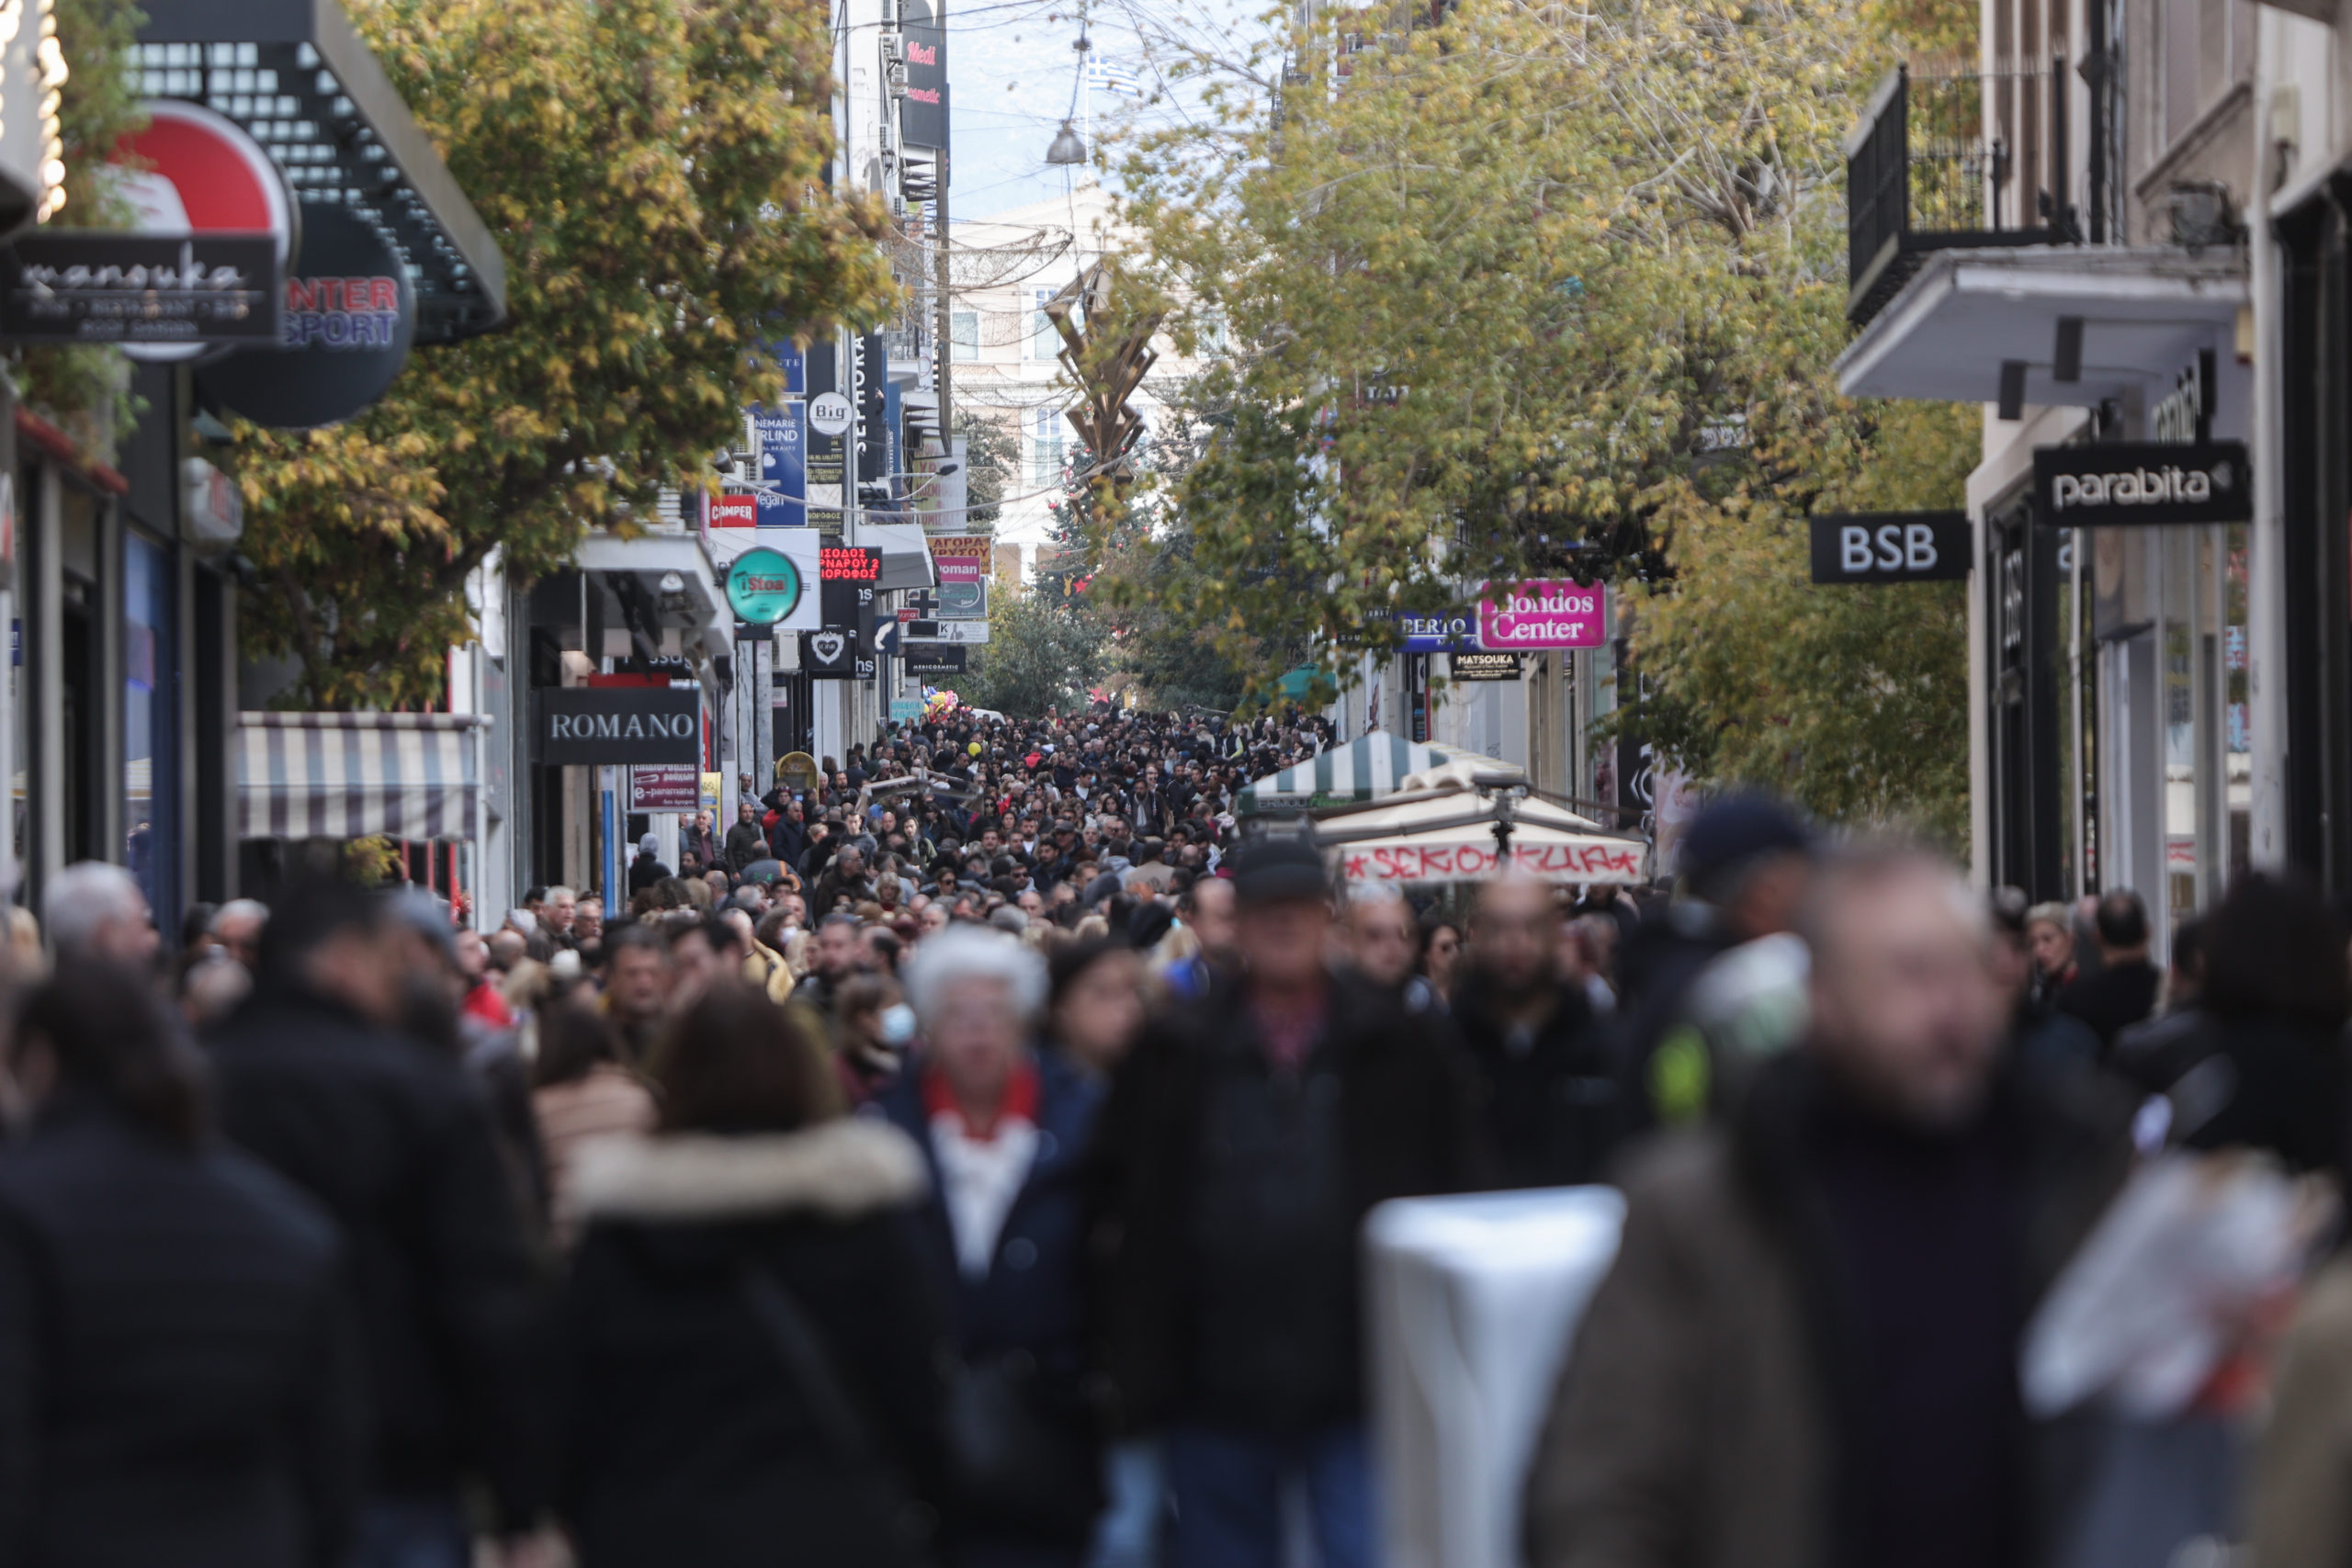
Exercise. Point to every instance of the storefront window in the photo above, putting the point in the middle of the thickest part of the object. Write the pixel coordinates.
(151, 844)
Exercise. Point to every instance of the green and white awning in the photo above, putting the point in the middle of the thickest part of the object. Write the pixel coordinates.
(1361, 770)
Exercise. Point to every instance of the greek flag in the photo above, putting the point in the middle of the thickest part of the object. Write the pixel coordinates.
(1102, 76)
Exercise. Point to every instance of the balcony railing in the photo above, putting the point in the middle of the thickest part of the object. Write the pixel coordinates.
(1963, 161)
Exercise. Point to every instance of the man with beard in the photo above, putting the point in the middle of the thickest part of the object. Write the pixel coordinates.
(1549, 1087)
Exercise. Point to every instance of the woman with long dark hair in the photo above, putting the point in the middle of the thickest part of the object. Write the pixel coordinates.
(752, 1354)
(178, 1373)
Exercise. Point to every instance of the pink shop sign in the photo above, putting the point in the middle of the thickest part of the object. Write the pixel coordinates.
(1559, 613)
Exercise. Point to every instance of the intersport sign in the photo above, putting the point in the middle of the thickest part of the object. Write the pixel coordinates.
(2142, 485)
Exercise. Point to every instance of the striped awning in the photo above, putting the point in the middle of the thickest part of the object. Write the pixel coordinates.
(346, 775)
(1361, 770)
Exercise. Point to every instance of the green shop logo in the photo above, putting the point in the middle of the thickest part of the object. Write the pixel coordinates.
(763, 586)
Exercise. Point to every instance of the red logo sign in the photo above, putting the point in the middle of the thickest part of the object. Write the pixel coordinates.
(734, 511)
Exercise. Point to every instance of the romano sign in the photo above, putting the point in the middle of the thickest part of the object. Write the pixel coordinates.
(639, 726)
(2142, 485)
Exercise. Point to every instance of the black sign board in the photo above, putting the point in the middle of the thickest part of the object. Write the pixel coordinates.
(827, 461)
(838, 653)
(1475, 665)
(922, 117)
(2142, 485)
(935, 660)
(1892, 546)
(636, 725)
(870, 372)
(101, 286)
(350, 314)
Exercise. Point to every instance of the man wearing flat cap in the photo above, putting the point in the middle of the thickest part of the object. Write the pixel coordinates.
(1243, 1141)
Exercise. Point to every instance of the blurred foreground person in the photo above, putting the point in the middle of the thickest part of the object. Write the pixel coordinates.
(1549, 1086)
(396, 1140)
(96, 912)
(1005, 1128)
(1096, 1007)
(178, 1373)
(1241, 1146)
(749, 1348)
(580, 1091)
(1383, 939)
(1806, 1351)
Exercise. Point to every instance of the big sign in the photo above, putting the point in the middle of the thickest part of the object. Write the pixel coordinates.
(1473, 860)
(1561, 614)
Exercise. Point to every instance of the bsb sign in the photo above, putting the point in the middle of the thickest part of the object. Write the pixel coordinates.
(2142, 484)
(1891, 546)
(638, 726)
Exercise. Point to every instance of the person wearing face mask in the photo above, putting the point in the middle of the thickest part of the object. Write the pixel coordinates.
(872, 1026)
(1005, 1128)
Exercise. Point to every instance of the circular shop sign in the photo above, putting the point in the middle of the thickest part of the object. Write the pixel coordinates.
(763, 586)
(830, 413)
(190, 170)
(350, 314)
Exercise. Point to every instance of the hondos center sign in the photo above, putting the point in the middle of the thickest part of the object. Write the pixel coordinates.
(639, 725)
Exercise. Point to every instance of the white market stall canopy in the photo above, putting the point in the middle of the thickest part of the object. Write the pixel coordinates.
(1368, 769)
(1446, 833)
(346, 775)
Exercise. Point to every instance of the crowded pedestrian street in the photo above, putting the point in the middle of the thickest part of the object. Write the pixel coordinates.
(1149, 784)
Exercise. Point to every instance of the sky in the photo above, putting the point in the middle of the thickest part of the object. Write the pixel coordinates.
(1011, 70)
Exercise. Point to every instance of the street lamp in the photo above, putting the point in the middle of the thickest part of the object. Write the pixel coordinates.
(1068, 148)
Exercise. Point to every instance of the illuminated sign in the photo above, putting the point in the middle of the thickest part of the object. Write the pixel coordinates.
(853, 563)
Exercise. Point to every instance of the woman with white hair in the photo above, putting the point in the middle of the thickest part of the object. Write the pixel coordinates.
(1005, 1127)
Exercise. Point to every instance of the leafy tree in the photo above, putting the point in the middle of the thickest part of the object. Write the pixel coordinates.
(1536, 292)
(1040, 654)
(993, 458)
(654, 172)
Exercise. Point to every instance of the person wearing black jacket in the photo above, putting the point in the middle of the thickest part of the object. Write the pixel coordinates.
(749, 1237)
(178, 1363)
(398, 1144)
(1548, 1084)
(745, 842)
(1242, 1144)
(646, 868)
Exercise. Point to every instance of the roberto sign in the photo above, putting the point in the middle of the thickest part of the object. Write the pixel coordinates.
(633, 725)
(2141, 485)
(1891, 546)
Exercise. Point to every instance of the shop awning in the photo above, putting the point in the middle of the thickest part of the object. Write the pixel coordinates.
(2144, 314)
(1447, 834)
(297, 76)
(906, 554)
(1361, 770)
(346, 775)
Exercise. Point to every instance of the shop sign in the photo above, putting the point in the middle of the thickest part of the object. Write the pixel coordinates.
(734, 512)
(935, 660)
(783, 493)
(189, 172)
(1436, 631)
(965, 633)
(213, 505)
(1559, 613)
(837, 653)
(665, 789)
(1472, 665)
(1892, 546)
(923, 115)
(2142, 485)
(1474, 860)
(764, 587)
(830, 414)
(798, 772)
(349, 314)
(616, 725)
(905, 710)
(962, 564)
(117, 286)
(2184, 416)
(852, 563)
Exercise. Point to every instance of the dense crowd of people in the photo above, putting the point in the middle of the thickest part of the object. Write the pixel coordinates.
(964, 1162)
